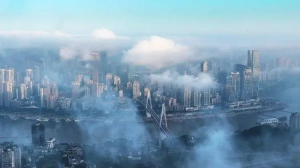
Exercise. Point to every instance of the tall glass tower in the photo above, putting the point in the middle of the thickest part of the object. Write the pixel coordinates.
(254, 63)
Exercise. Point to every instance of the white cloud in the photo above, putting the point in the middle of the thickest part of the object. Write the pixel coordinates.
(103, 34)
(61, 34)
(24, 33)
(158, 52)
(98, 34)
(34, 34)
(67, 53)
(202, 81)
(71, 52)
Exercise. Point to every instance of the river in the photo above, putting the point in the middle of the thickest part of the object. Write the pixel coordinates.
(19, 131)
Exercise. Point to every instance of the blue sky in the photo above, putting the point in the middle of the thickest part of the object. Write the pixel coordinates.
(154, 17)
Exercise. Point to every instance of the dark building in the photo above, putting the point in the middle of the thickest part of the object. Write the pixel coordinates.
(103, 66)
(38, 134)
(95, 67)
(130, 73)
(295, 121)
(222, 79)
(204, 67)
(241, 69)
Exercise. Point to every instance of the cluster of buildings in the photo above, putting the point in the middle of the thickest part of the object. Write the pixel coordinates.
(15, 86)
(234, 88)
(42, 152)
(18, 89)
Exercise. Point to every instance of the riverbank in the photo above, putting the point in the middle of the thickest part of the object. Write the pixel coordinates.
(174, 117)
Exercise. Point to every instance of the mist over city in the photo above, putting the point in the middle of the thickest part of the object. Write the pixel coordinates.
(149, 84)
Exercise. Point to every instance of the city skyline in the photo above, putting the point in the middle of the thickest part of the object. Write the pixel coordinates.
(251, 23)
(143, 84)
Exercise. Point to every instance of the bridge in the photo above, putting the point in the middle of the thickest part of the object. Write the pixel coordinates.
(160, 120)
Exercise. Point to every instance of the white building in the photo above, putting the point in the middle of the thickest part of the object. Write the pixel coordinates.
(120, 93)
(50, 143)
(136, 89)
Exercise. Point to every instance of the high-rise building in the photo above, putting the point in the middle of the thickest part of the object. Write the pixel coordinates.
(22, 91)
(11, 157)
(241, 69)
(205, 97)
(295, 121)
(97, 89)
(95, 67)
(51, 101)
(38, 134)
(254, 63)
(9, 75)
(18, 77)
(212, 66)
(234, 84)
(109, 79)
(36, 89)
(42, 97)
(2, 75)
(29, 73)
(136, 89)
(79, 79)
(222, 80)
(130, 72)
(36, 74)
(248, 89)
(117, 82)
(54, 90)
(204, 67)
(75, 90)
(187, 96)
(196, 98)
(8, 93)
(103, 67)
(45, 81)
(113, 68)
(87, 92)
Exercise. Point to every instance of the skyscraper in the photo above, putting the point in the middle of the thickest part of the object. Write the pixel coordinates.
(75, 90)
(117, 82)
(136, 89)
(204, 67)
(234, 85)
(187, 96)
(103, 66)
(95, 67)
(130, 72)
(36, 74)
(254, 63)
(248, 89)
(38, 134)
(22, 91)
(205, 97)
(2, 75)
(29, 73)
(222, 79)
(8, 93)
(196, 98)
